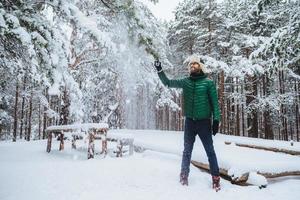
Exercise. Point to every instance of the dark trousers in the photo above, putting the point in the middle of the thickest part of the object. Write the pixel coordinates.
(202, 128)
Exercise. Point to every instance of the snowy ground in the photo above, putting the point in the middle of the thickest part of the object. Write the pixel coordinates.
(27, 172)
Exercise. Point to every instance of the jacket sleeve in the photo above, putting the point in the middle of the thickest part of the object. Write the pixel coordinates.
(213, 98)
(174, 83)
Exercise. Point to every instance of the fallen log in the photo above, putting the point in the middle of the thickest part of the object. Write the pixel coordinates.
(286, 151)
(242, 180)
(224, 174)
(281, 174)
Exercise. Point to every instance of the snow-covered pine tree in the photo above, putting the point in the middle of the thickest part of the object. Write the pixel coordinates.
(116, 84)
(280, 58)
(249, 52)
(33, 58)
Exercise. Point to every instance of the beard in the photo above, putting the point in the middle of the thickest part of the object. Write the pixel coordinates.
(194, 72)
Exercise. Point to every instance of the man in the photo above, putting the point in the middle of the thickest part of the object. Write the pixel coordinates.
(200, 104)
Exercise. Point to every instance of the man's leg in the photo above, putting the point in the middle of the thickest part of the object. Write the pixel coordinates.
(189, 139)
(204, 132)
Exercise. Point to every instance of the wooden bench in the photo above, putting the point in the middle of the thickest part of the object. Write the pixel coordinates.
(93, 131)
(122, 140)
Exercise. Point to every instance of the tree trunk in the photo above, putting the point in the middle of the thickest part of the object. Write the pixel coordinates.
(64, 115)
(283, 107)
(297, 110)
(232, 109)
(209, 30)
(45, 115)
(166, 119)
(228, 116)
(267, 117)
(222, 100)
(252, 118)
(16, 113)
(243, 110)
(26, 125)
(22, 107)
(237, 110)
(40, 120)
(30, 116)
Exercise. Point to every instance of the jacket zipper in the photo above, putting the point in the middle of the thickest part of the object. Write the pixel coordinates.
(193, 99)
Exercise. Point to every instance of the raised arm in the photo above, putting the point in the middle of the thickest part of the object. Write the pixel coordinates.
(172, 83)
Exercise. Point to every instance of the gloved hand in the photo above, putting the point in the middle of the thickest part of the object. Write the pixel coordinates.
(215, 127)
(157, 65)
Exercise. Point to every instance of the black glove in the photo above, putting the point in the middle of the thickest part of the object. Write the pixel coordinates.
(215, 127)
(157, 65)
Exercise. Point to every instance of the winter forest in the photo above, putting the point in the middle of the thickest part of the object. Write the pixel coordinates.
(82, 79)
(92, 61)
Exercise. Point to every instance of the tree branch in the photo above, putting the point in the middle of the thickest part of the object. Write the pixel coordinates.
(106, 4)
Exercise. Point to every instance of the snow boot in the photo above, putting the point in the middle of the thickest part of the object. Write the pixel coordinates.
(216, 183)
(184, 179)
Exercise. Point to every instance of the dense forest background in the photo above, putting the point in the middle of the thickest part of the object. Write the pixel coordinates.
(68, 61)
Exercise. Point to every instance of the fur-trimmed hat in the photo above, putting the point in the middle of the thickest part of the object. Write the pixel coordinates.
(196, 59)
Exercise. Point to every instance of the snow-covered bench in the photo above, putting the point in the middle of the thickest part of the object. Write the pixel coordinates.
(122, 139)
(92, 131)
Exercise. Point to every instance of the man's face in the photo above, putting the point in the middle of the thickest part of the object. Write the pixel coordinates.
(194, 67)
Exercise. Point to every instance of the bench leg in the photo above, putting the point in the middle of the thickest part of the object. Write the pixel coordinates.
(73, 142)
(119, 149)
(49, 142)
(104, 143)
(104, 146)
(91, 148)
(61, 145)
(131, 148)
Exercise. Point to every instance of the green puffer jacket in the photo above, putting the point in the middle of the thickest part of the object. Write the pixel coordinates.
(199, 96)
